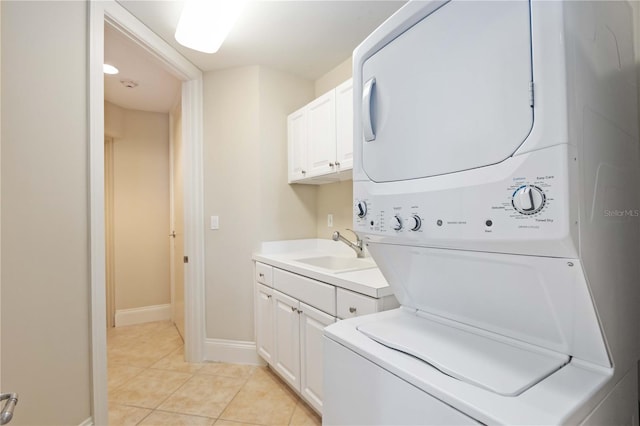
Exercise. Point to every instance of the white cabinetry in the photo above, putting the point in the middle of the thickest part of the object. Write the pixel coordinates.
(312, 324)
(344, 126)
(264, 322)
(286, 324)
(321, 135)
(297, 137)
(321, 138)
(291, 313)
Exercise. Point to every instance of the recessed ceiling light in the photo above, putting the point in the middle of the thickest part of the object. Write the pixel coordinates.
(110, 69)
(204, 24)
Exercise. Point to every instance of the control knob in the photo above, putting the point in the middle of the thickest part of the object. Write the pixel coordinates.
(361, 209)
(528, 199)
(415, 223)
(397, 223)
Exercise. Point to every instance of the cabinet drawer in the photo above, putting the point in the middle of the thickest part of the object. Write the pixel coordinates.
(264, 274)
(350, 304)
(311, 292)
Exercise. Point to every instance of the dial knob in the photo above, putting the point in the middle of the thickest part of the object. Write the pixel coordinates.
(528, 199)
(361, 209)
(397, 223)
(415, 222)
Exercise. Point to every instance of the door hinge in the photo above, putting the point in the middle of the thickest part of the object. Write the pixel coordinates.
(185, 259)
(531, 97)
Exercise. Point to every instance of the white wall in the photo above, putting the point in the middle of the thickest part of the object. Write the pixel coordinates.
(141, 207)
(45, 241)
(245, 185)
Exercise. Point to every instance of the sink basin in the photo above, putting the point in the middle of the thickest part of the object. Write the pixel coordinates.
(338, 264)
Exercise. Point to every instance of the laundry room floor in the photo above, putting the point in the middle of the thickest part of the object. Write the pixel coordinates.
(150, 384)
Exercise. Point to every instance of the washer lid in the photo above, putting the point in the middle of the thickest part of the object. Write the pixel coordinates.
(501, 365)
(451, 93)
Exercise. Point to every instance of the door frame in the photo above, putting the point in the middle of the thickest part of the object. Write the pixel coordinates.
(192, 120)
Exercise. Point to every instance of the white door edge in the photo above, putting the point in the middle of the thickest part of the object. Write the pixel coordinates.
(192, 84)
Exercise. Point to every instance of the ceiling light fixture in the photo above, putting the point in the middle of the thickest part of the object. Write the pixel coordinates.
(204, 24)
(110, 69)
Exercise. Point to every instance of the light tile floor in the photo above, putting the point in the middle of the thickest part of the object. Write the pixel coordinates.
(150, 384)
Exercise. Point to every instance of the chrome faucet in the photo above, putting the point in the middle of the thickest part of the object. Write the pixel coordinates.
(358, 246)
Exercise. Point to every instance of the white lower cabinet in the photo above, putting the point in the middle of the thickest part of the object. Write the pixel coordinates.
(289, 327)
(286, 325)
(264, 322)
(312, 324)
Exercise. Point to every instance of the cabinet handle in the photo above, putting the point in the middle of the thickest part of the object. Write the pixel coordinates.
(268, 296)
(293, 309)
(352, 309)
(304, 172)
(261, 275)
(331, 164)
(337, 163)
(300, 311)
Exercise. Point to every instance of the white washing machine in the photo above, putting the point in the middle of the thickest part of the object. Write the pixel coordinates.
(496, 178)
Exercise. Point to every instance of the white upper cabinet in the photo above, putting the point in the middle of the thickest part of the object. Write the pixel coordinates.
(297, 136)
(344, 125)
(321, 138)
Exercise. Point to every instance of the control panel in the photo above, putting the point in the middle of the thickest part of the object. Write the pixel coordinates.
(525, 207)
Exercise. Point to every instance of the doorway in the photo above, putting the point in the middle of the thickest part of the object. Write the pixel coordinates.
(142, 106)
(191, 132)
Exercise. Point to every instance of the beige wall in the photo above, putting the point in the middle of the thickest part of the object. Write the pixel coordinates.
(331, 79)
(45, 241)
(141, 207)
(334, 198)
(288, 211)
(245, 185)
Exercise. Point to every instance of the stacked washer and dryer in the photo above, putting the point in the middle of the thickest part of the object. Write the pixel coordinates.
(496, 184)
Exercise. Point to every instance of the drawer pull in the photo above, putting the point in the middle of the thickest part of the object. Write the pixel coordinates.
(352, 309)
(293, 309)
(261, 275)
(268, 296)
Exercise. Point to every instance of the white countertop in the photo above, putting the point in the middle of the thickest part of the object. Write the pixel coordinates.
(283, 255)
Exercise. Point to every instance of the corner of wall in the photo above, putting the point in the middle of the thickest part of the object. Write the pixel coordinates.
(334, 77)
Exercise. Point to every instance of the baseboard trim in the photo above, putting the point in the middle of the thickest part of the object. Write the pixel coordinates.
(141, 315)
(232, 351)
(87, 422)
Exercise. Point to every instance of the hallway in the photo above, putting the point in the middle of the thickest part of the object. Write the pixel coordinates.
(150, 384)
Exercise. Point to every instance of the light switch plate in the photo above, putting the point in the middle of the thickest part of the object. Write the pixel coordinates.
(330, 220)
(215, 222)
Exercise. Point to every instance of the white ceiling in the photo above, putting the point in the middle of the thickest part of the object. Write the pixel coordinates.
(303, 37)
(157, 90)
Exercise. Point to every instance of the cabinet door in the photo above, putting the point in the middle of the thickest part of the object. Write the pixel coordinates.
(297, 143)
(287, 338)
(321, 133)
(312, 324)
(344, 125)
(264, 322)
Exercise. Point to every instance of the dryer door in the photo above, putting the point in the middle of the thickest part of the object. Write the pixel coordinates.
(451, 93)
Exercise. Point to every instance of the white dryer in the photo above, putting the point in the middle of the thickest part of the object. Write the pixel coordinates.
(496, 178)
